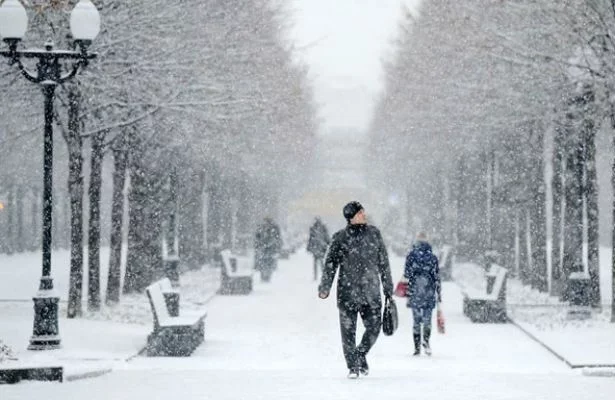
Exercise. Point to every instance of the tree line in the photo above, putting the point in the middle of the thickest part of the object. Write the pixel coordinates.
(194, 121)
(488, 124)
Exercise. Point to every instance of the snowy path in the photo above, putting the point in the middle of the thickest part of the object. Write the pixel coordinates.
(282, 342)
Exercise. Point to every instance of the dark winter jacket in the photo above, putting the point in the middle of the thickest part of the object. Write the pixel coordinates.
(267, 244)
(319, 239)
(358, 251)
(423, 276)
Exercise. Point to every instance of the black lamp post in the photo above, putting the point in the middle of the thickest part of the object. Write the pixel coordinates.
(85, 25)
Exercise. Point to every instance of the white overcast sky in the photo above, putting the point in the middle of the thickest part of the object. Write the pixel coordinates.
(343, 43)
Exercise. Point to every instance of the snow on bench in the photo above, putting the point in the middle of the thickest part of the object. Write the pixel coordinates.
(488, 305)
(237, 273)
(172, 335)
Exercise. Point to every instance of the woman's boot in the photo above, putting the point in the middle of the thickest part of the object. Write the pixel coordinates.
(417, 344)
(426, 336)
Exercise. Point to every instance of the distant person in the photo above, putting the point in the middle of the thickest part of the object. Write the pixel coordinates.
(267, 247)
(424, 288)
(358, 251)
(317, 244)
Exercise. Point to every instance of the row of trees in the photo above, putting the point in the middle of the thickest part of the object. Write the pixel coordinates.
(475, 93)
(198, 111)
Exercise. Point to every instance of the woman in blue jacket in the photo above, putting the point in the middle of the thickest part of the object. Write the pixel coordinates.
(423, 276)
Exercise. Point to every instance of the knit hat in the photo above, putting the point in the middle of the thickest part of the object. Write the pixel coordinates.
(351, 209)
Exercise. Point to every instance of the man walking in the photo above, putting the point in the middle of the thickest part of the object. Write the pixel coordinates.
(358, 251)
(267, 246)
(317, 244)
(424, 288)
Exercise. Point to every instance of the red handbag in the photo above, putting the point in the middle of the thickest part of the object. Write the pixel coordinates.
(440, 321)
(401, 290)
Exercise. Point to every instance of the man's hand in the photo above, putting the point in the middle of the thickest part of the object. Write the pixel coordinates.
(323, 295)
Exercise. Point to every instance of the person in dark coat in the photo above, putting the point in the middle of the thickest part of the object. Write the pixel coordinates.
(267, 246)
(423, 275)
(359, 253)
(317, 244)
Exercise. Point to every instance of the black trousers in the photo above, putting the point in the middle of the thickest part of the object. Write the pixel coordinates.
(372, 320)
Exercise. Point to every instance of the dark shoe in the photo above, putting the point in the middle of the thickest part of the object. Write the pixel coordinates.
(417, 344)
(363, 367)
(353, 373)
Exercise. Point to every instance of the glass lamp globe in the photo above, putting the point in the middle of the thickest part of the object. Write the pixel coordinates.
(13, 20)
(85, 21)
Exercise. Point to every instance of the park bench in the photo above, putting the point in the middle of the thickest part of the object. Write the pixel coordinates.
(236, 273)
(488, 305)
(172, 335)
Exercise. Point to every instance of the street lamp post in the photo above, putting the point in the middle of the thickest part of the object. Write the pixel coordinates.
(85, 25)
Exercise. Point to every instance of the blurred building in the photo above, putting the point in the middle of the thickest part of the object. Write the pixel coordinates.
(338, 178)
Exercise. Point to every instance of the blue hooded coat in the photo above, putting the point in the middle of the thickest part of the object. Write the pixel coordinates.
(423, 276)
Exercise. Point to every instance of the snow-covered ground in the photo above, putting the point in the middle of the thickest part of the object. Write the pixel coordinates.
(20, 275)
(282, 342)
(586, 342)
(23, 271)
(606, 275)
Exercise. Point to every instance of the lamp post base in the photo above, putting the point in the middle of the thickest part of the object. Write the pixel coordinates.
(45, 334)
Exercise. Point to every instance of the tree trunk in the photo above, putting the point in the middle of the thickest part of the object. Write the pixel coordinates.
(226, 212)
(94, 222)
(172, 206)
(214, 212)
(11, 218)
(153, 230)
(448, 234)
(19, 222)
(538, 218)
(613, 242)
(557, 193)
(461, 209)
(591, 201)
(75, 189)
(612, 115)
(490, 199)
(243, 231)
(120, 156)
(190, 218)
(55, 216)
(64, 212)
(32, 242)
(573, 215)
(4, 230)
(145, 200)
(136, 274)
(437, 206)
(523, 250)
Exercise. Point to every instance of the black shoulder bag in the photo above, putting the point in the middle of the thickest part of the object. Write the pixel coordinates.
(389, 317)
